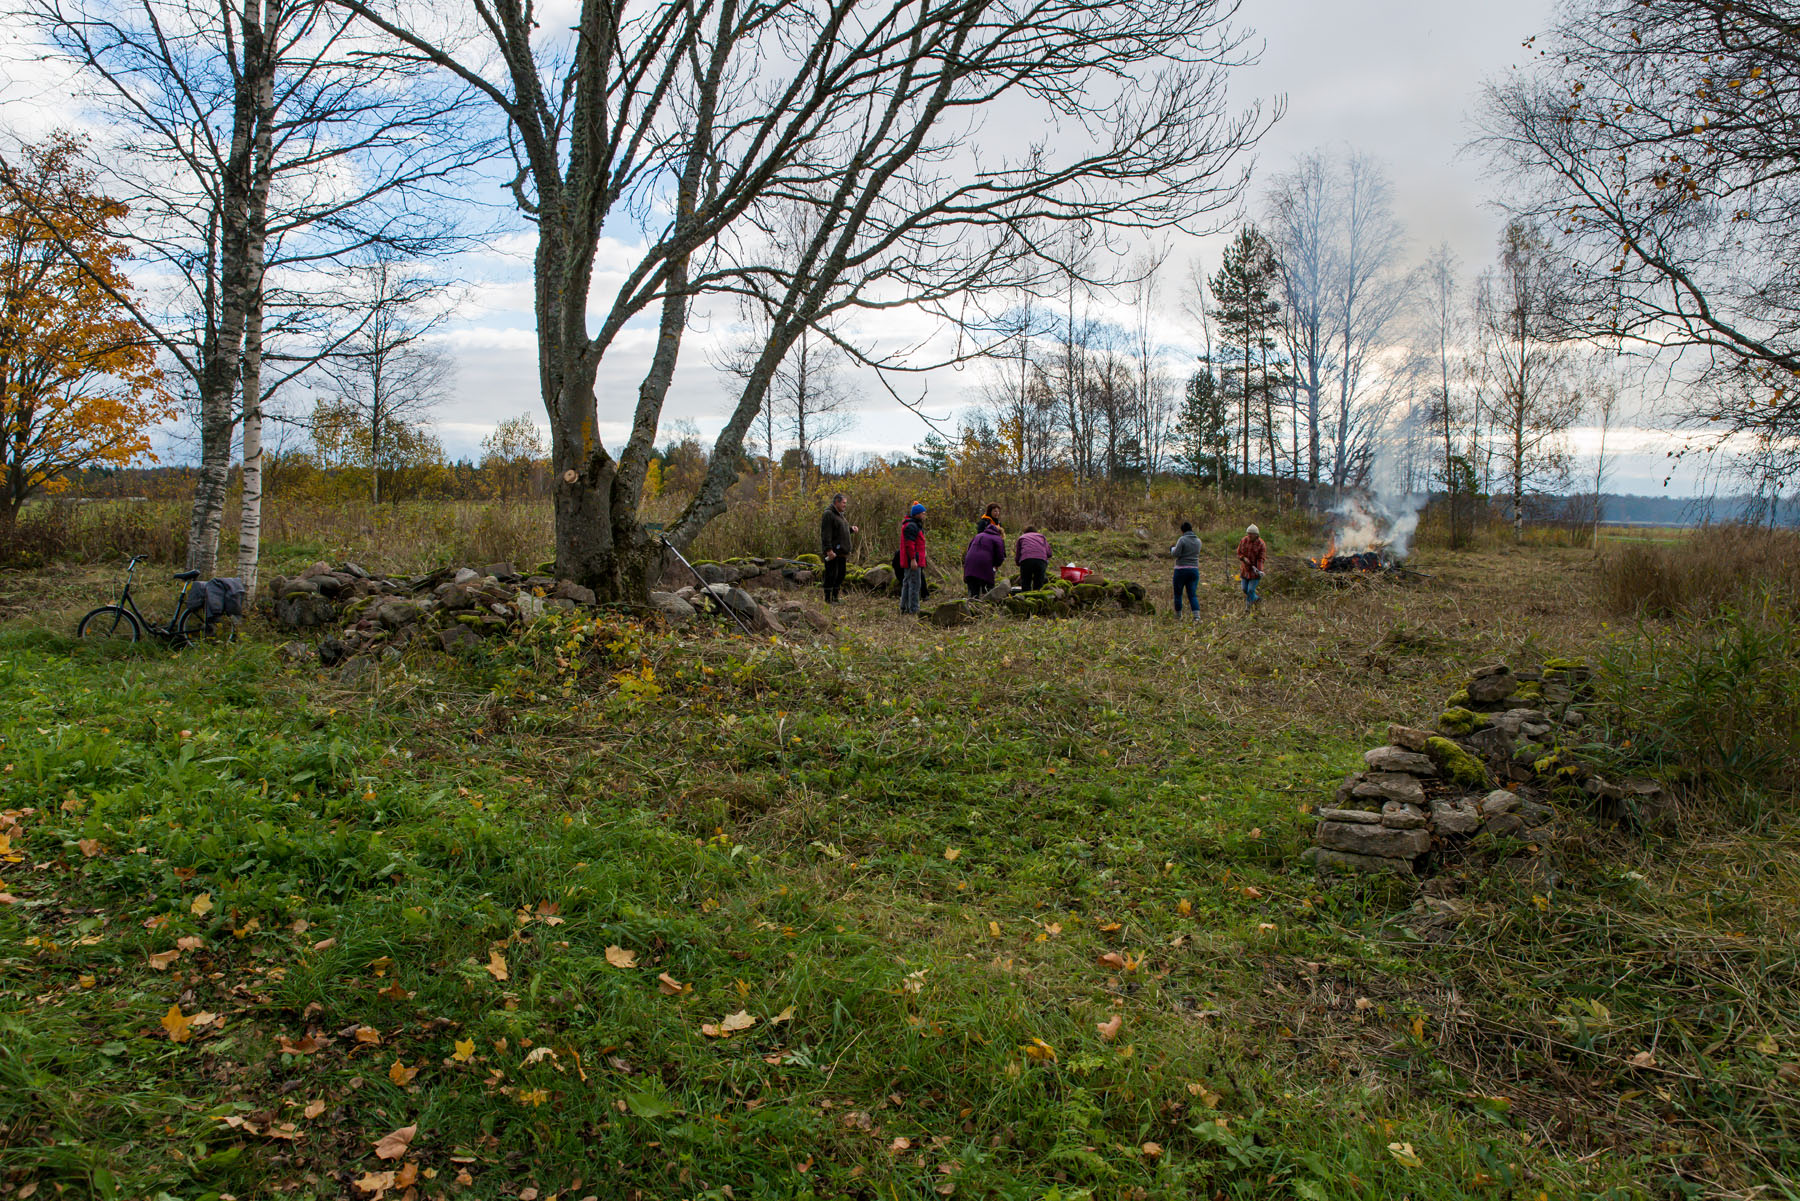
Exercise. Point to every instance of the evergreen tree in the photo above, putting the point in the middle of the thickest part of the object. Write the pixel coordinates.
(1203, 427)
(1244, 305)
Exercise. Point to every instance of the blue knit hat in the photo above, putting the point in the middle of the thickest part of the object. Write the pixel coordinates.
(918, 510)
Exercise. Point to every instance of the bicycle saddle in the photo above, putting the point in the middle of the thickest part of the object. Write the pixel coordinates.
(187, 575)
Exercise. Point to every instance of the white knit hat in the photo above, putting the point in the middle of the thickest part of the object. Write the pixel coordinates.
(1252, 532)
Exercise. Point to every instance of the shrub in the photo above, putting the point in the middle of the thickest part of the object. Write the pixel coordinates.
(1714, 700)
(1719, 566)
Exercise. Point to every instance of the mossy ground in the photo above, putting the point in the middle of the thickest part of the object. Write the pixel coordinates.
(930, 864)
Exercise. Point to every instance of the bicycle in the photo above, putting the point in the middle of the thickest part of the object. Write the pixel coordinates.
(122, 622)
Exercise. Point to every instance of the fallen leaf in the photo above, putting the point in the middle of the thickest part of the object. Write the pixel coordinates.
(1252, 892)
(463, 1177)
(313, 1109)
(1037, 1048)
(367, 1034)
(496, 965)
(739, 1021)
(305, 1046)
(1363, 1003)
(400, 1074)
(376, 1183)
(671, 987)
(89, 847)
(465, 1050)
(394, 992)
(1418, 1028)
(1208, 1098)
(1111, 928)
(952, 854)
(162, 959)
(539, 1054)
(324, 944)
(1643, 1059)
(993, 929)
(1766, 1045)
(1110, 1030)
(1184, 907)
(202, 905)
(1114, 960)
(1403, 1153)
(620, 958)
(177, 1025)
(394, 1143)
(190, 942)
(408, 1175)
(1151, 1150)
(900, 1144)
(786, 1015)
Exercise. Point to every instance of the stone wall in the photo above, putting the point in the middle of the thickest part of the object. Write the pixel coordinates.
(1503, 757)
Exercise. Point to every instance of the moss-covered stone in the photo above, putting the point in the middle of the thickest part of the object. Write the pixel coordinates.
(1087, 595)
(1565, 665)
(1459, 723)
(1458, 699)
(1529, 696)
(1461, 767)
(812, 561)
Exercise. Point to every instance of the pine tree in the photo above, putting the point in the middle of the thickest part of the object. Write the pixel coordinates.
(1244, 305)
(1203, 427)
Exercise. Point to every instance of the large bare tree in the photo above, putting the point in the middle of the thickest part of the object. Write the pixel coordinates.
(690, 125)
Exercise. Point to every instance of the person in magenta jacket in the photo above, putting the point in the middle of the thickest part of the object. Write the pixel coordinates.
(987, 550)
(1032, 553)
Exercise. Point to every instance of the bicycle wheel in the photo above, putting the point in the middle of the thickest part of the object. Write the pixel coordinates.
(193, 628)
(109, 623)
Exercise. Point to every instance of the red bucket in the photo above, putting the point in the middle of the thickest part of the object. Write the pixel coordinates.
(1075, 574)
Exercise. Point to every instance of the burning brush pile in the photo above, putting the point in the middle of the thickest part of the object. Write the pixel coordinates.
(1369, 537)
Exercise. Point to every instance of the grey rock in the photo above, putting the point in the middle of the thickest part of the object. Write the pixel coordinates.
(457, 637)
(1515, 721)
(1494, 688)
(353, 673)
(951, 613)
(1347, 861)
(557, 604)
(1407, 738)
(671, 606)
(1492, 669)
(1461, 818)
(796, 615)
(506, 573)
(1358, 817)
(1361, 839)
(304, 610)
(1393, 758)
(355, 570)
(739, 601)
(1499, 801)
(716, 573)
(1390, 786)
(1346, 791)
(298, 584)
(465, 575)
(530, 607)
(569, 590)
(317, 569)
(396, 613)
(295, 652)
(332, 651)
(803, 576)
(878, 578)
(1396, 816)
(1503, 825)
(1490, 741)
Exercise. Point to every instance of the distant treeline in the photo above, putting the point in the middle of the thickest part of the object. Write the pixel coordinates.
(1698, 510)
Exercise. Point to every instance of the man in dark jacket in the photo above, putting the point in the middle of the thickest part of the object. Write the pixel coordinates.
(834, 546)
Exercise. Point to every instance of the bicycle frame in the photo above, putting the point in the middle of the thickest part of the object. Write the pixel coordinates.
(125, 602)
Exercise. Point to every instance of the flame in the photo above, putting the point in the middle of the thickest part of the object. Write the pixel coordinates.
(1329, 551)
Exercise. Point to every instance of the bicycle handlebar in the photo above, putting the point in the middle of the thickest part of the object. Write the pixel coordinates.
(135, 560)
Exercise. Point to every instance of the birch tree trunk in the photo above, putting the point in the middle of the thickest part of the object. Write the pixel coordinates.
(256, 247)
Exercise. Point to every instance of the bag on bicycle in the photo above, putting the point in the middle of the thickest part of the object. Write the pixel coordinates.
(223, 598)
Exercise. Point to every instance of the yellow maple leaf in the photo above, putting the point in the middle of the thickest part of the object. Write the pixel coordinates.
(1037, 1048)
(202, 905)
(619, 957)
(465, 1050)
(1403, 1154)
(400, 1074)
(177, 1025)
(952, 854)
(496, 965)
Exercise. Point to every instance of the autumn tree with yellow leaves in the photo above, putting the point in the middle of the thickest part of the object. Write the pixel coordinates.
(79, 385)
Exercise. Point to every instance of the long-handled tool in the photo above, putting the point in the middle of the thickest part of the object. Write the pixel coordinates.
(704, 586)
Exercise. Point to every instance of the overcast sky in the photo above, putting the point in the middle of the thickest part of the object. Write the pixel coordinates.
(1396, 79)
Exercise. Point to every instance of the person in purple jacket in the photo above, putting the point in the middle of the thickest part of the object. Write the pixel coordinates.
(987, 550)
(1033, 556)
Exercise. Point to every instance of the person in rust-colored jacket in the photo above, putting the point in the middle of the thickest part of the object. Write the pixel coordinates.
(1252, 554)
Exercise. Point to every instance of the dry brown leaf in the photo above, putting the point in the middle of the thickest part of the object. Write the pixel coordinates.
(375, 1183)
(394, 1143)
(1151, 1150)
(408, 1175)
(367, 1034)
(400, 1074)
(1110, 1030)
(89, 847)
(952, 854)
(671, 987)
(162, 959)
(900, 1144)
(1114, 960)
(324, 944)
(620, 958)
(1643, 1059)
(305, 1046)
(313, 1109)
(496, 965)
(190, 942)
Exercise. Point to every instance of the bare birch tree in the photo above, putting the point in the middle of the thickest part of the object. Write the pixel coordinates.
(1303, 226)
(688, 122)
(255, 141)
(1370, 292)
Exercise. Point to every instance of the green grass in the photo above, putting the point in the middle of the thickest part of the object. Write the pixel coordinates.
(923, 844)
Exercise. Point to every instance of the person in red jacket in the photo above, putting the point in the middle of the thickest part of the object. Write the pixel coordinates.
(1252, 554)
(912, 559)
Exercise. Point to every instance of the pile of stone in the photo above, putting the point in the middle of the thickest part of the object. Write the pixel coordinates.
(1502, 757)
(771, 573)
(1053, 600)
(457, 607)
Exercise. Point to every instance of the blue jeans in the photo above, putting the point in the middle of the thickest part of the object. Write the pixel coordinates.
(1187, 583)
(912, 583)
(1250, 597)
